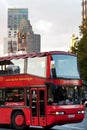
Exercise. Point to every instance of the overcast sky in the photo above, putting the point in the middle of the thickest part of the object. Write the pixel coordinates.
(54, 20)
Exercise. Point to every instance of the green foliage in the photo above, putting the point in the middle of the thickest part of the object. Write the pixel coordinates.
(83, 28)
(74, 49)
(80, 48)
(82, 57)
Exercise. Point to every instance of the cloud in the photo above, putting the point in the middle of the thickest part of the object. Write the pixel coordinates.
(4, 3)
(57, 42)
(43, 26)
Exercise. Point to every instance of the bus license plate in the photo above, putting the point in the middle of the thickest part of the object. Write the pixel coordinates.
(71, 116)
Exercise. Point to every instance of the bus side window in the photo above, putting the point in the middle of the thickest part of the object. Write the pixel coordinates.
(27, 97)
(15, 95)
(50, 95)
(13, 69)
(1, 97)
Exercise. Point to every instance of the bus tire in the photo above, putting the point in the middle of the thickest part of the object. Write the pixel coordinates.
(48, 127)
(18, 120)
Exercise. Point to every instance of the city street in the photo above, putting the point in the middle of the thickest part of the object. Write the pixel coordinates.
(43, 64)
(77, 126)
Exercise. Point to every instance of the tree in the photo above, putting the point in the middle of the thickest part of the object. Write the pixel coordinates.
(80, 48)
(82, 57)
(74, 48)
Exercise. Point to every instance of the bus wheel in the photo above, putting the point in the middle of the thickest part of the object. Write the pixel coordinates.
(48, 127)
(18, 120)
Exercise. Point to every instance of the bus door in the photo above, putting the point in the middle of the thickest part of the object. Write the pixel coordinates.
(38, 106)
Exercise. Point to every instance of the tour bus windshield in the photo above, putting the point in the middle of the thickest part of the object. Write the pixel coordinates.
(64, 66)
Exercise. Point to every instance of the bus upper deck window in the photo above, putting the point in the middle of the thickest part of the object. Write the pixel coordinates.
(13, 69)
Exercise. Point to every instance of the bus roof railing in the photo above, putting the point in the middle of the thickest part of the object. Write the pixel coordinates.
(31, 55)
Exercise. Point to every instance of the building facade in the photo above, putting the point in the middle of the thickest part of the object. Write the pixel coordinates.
(27, 40)
(14, 18)
(20, 33)
(15, 15)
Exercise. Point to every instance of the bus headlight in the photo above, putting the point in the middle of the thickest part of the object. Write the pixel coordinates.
(57, 113)
(81, 112)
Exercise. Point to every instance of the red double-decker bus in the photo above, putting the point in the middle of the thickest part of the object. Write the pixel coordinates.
(40, 89)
